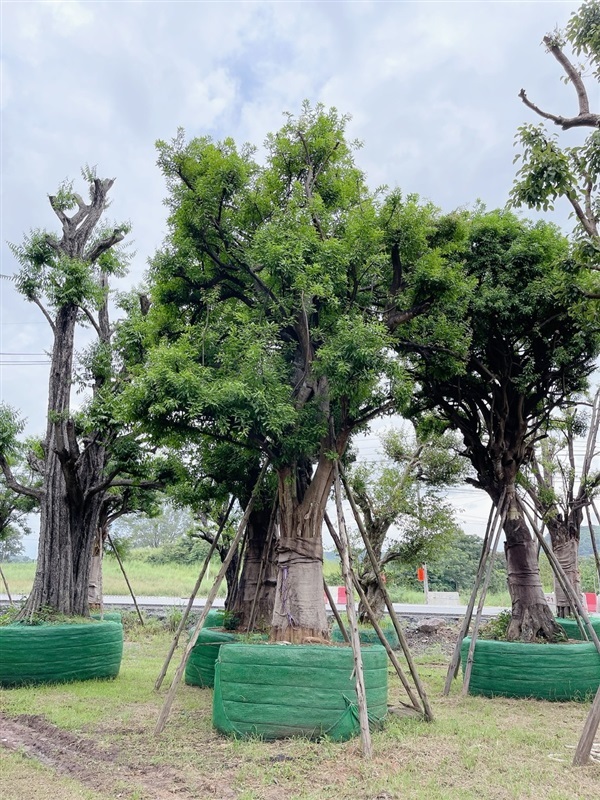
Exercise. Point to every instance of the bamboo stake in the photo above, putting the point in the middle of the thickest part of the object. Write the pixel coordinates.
(192, 597)
(568, 589)
(484, 588)
(562, 578)
(428, 714)
(114, 549)
(593, 539)
(361, 695)
(392, 656)
(336, 613)
(162, 718)
(485, 552)
(263, 562)
(10, 600)
(584, 746)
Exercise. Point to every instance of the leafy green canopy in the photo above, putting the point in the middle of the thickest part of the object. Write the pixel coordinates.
(271, 307)
(532, 346)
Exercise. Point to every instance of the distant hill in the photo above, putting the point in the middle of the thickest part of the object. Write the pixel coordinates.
(585, 543)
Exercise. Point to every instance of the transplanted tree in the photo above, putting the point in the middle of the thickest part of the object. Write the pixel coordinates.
(562, 487)
(403, 511)
(550, 171)
(263, 303)
(532, 348)
(84, 457)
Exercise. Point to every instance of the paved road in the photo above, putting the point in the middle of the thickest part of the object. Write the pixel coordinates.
(157, 603)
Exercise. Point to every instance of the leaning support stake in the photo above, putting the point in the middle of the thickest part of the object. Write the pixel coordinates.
(428, 714)
(118, 557)
(10, 600)
(361, 695)
(484, 588)
(584, 747)
(382, 637)
(485, 554)
(568, 589)
(195, 591)
(333, 606)
(162, 718)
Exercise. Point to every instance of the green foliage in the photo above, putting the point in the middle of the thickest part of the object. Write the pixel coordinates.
(531, 348)
(583, 31)
(453, 567)
(497, 627)
(548, 170)
(270, 312)
(185, 550)
(11, 425)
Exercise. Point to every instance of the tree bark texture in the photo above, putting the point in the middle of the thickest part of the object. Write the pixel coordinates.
(531, 615)
(258, 577)
(299, 611)
(565, 545)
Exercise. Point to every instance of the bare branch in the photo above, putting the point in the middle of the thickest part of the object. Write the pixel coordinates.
(14, 484)
(105, 244)
(90, 317)
(49, 320)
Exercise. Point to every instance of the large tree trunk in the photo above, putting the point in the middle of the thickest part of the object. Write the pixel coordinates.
(54, 582)
(252, 584)
(299, 611)
(531, 615)
(564, 538)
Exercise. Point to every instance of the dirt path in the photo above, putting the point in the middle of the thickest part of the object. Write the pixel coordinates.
(93, 766)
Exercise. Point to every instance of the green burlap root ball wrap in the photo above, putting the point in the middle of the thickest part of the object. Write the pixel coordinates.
(276, 691)
(571, 627)
(59, 653)
(543, 671)
(200, 667)
(368, 635)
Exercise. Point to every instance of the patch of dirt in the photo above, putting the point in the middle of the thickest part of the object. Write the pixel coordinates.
(94, 766)
(443, 639)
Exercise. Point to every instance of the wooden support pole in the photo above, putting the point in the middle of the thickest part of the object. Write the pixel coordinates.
(162, 718)
(560, 575)
(484, 588)
(263, 561)
(568, 589)
(392, 656)
(428, 714)
(192, 597)
(118, 557)
(584, 747)
(361, 695)
(593, 540)
(483, 559)
(10, 600)
(333, 606)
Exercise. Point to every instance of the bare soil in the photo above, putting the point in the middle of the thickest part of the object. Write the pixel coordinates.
(96, 767)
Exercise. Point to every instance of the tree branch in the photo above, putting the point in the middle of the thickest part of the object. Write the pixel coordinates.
(49, 320)
(90, 317)
(14, 484)
(105, 244)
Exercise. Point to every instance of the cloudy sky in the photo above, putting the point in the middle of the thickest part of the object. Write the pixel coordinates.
(431, 86)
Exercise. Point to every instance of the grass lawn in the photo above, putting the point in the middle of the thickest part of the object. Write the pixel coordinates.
(177, 580)
(477, 749)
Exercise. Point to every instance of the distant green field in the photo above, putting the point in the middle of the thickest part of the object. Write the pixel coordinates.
(177, 580)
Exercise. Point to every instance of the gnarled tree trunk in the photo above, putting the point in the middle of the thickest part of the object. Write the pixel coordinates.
(564, 538)
(531, 615)
(299, 612)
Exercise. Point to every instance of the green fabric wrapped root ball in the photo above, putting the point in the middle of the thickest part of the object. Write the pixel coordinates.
(277, 691)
